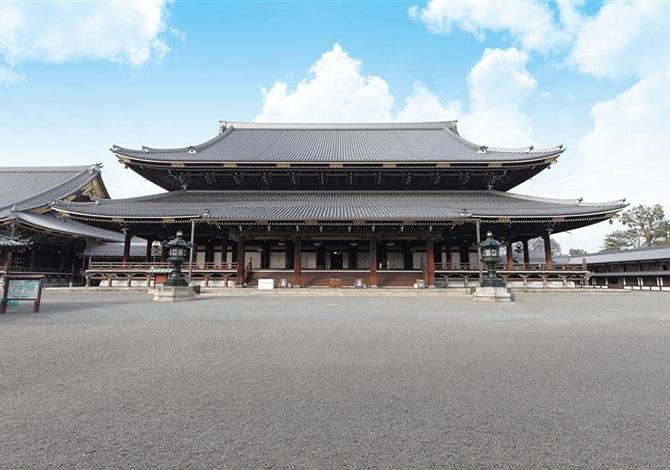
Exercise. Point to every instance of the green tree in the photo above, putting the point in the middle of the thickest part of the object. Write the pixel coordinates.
(537, 244)
(621, 240)
(646, 226)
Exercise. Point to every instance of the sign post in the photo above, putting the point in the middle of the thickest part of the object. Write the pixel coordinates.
(19, 288)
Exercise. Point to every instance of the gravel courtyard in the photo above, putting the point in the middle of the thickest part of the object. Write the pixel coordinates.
(100, 380)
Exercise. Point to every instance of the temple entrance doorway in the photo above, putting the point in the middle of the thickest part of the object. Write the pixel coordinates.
(336, 260)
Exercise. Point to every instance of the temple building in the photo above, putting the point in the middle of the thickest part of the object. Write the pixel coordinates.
(333, 204)
(32, 238)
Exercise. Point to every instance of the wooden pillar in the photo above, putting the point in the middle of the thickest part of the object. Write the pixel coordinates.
(31, 261)
(353, 262)
(61, 261)
(548, 259)
(210, 247)
(447, 248)
(408, 260)
(526, 254)
(288, 259)
(240, 262)
(465, 254)
(147, 254)
(373, 261)
(265, 255)
(510, 256)
(297, 262)
(321, 257)
(430, 260)
(127, 237)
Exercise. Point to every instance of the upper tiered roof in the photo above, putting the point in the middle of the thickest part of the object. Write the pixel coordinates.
(424, 142)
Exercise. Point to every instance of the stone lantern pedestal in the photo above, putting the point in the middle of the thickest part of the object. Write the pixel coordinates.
(173, 294)
(492, 294)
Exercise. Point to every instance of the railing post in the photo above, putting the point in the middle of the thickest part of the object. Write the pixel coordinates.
(373, 261)
(430, 261)
(240, 261)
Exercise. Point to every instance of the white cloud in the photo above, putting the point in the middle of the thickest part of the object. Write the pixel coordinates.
(624, 39)
(9, 76)
(424, 105)
(499, 84)
(624, 153)
(530, 24)
(55, 32)
(336, 90)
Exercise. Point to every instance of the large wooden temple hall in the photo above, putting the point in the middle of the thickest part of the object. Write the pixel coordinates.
(323, 203)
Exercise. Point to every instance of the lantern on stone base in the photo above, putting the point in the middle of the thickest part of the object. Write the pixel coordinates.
(177, 250)
(490, 249)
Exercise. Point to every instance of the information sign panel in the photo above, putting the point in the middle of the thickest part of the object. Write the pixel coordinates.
(21, 288)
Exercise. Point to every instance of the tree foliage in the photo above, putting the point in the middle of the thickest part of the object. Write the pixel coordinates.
(576, 252)
(537, 244)
(645, 226)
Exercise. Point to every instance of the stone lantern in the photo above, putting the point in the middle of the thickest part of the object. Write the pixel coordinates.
(490, 249)
(177, 250)
(491, 287)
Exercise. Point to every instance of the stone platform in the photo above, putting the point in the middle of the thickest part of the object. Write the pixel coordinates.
(173, 294)
(492, 294)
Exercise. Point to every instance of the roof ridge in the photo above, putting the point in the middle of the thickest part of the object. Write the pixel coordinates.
(42, 168)
(436, 125)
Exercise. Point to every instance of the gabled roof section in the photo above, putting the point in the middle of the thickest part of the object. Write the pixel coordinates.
(336, 206)
(26, 188)
(422, 142)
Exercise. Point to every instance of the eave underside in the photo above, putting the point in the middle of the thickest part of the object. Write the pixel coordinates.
(390, 176)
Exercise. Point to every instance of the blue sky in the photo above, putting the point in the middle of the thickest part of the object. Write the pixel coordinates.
(76, 78)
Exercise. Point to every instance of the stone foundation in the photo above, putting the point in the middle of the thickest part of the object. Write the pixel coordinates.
(173, 294)
(492, 294)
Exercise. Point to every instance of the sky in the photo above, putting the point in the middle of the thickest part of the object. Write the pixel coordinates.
(79, 77)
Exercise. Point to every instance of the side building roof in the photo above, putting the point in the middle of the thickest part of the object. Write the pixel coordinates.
(27, 188)
(27, 192)
(423, 142)
(623, 256)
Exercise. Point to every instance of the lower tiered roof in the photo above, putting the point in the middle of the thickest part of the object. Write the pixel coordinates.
(335, 206)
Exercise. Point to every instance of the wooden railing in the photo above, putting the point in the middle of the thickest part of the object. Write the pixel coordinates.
(143, 266)
(504, 267)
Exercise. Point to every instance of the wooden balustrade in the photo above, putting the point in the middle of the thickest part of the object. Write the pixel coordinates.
(143, 266)
(503, 267)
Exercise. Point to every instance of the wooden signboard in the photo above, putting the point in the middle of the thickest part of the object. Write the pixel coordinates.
(20, 288)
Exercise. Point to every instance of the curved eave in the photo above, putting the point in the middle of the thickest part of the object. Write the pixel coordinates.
(602, 214)
(129, 157)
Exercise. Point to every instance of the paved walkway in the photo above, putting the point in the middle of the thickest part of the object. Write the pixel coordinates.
(102, 380)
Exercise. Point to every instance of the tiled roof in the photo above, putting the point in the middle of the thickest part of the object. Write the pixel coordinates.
(638, 254)
(52, 223)
(367, 143)
(335, 205)
(25, 188)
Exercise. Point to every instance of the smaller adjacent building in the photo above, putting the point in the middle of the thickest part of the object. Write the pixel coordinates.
(641, 268)
(33, 239)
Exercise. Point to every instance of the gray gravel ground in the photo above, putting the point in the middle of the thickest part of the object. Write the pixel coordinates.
(103, 380)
